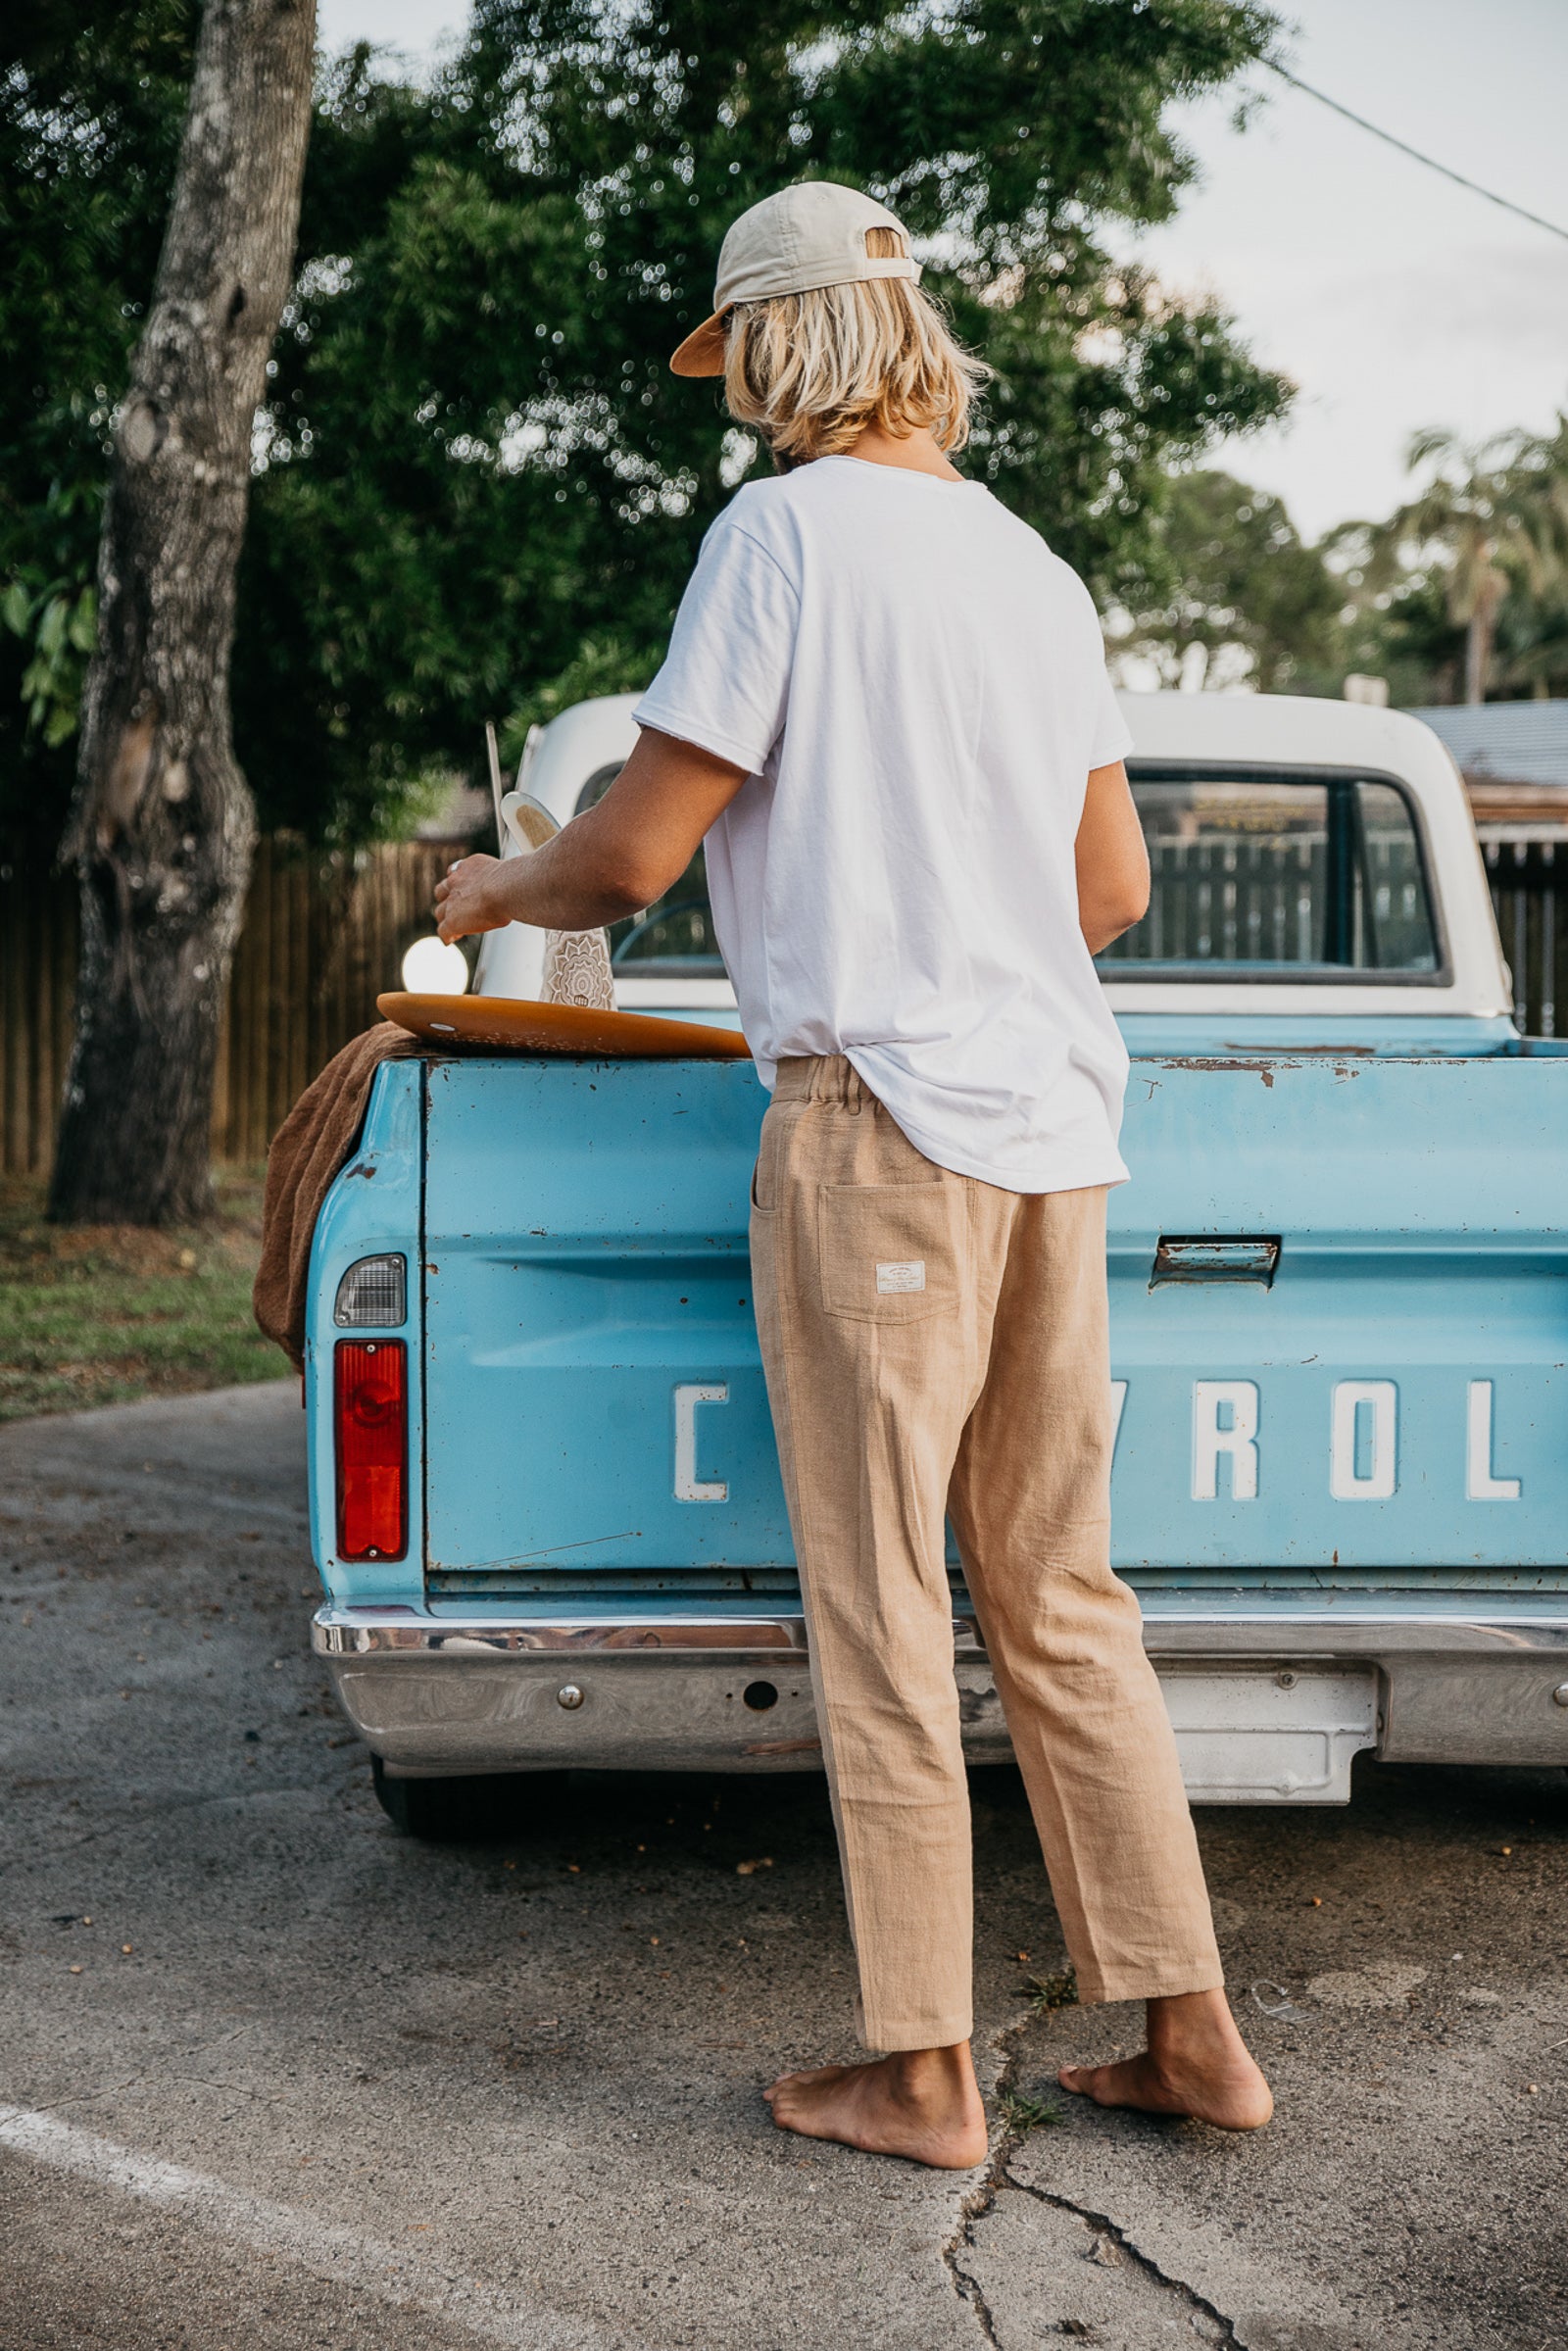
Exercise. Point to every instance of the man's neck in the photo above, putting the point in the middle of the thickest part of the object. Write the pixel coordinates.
(915, 452)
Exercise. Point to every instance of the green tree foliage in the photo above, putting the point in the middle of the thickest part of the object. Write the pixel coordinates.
(91, 102)
(1530, 651)
(479, 486)
(1401, 631)
(1467, 580)
(1232, 596)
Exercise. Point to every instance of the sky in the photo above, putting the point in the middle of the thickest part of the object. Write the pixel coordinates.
(1394, 300)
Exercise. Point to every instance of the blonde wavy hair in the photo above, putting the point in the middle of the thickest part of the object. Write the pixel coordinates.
(811, 371)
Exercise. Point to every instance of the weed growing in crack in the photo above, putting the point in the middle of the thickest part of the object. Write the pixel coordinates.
(1023, 2112)
(1045, 1993)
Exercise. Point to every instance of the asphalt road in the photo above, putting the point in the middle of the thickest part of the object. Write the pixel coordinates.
(272, 2077)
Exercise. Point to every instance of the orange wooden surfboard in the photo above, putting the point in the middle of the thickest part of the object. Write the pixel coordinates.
(516, 1024)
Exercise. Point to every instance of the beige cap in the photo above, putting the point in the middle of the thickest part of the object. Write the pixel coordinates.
(813, 235)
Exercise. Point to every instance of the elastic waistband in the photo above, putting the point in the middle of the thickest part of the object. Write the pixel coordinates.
(824, 1078)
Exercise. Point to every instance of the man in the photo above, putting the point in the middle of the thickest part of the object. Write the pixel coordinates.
(885, 707)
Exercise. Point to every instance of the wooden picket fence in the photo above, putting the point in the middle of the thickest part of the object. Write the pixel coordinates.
(38, 934)
(323, 936)
(1529, 890)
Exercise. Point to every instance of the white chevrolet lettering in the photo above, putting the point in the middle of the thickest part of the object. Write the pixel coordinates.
(1480, 1485)
(689, 1486)
(1237, 1440)
(902, 1273)
(1380, 1400)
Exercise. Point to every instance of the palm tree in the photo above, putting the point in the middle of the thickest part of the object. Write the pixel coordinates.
(1493, 514)
(1533, 626)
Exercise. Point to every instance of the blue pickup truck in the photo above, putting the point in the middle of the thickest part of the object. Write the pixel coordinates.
(545, 1504)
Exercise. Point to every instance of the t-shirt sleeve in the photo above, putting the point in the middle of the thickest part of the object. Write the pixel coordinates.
(725, 682)
(1112, 736)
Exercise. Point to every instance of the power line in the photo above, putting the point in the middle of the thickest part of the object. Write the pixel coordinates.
(1387, 136)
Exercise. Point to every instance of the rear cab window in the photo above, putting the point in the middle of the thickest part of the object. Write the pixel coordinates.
(1261, 874)
(1282, 875)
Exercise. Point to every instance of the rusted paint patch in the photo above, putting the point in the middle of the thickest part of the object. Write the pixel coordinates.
(1224, 1064)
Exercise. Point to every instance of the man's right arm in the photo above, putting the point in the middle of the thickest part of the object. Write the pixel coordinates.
(617, 859)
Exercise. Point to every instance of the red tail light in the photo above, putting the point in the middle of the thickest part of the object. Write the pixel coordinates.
(370, 1416)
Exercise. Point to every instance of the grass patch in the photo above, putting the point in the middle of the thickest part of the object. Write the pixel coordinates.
(1022, 2111)
(104, 1314)
(1047, 1992)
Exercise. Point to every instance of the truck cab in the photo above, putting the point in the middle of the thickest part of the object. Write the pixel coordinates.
(545, 1497)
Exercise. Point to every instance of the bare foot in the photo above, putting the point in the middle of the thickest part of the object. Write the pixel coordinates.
(921, 2103)
(1196, 2064)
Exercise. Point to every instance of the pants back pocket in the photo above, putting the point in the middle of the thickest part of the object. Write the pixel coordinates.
(891, 1253)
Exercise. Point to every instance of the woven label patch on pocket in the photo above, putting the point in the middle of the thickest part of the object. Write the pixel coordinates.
(903, 1273)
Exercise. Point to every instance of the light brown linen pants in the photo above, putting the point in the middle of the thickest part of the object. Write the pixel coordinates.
(935, 1345)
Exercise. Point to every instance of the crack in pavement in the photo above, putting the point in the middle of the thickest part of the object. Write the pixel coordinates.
(1103, 2226)
(981, 2202)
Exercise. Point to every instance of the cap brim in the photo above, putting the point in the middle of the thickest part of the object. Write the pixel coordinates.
(703, 352)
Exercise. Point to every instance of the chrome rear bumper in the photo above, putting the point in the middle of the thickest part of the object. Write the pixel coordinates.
(1271, 1697)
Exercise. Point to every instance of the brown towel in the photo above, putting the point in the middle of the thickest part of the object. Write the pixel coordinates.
(308, 1150)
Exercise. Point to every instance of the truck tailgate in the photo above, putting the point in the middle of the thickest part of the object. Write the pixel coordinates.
(1379, 1398)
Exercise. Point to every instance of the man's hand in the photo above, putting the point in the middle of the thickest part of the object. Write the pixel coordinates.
(466, 898)
(614, 860)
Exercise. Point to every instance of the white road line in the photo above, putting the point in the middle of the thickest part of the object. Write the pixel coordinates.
(341, 2256)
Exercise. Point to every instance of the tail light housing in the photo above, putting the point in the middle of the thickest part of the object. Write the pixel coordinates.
(370, 1423)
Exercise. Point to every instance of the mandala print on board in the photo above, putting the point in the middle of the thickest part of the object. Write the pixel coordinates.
(577, 970)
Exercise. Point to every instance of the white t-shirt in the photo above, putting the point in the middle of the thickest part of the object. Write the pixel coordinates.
(916, 687)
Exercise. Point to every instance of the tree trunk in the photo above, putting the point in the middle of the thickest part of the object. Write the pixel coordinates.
(1479, 636)
(162, 825)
